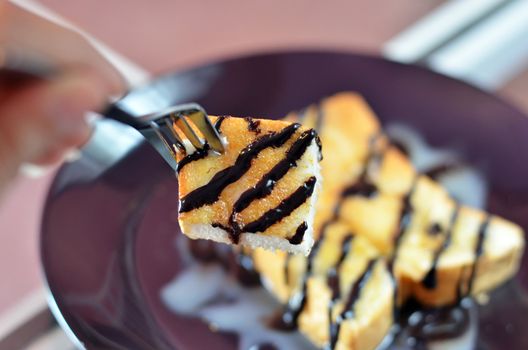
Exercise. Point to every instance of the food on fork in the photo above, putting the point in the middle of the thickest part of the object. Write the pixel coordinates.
(384, 234)
(259, 193)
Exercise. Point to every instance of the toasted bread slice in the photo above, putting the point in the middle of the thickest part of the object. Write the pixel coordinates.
(344, 300)
(436, 250)
(259, 193)
(482, 252)
(358, 320)
(442, 250)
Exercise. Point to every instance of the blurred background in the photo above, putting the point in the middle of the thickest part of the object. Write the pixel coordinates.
(484, 42)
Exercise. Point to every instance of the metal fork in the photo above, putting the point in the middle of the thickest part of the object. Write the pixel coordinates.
(160, 129)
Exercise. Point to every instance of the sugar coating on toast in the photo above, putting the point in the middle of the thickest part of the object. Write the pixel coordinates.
(383, 234)
(260, 192)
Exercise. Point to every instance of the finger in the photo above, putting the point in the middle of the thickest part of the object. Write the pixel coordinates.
(60, 153)
(45, 119)
(29, 40)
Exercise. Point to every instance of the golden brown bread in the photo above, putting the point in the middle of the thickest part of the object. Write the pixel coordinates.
(260, 192)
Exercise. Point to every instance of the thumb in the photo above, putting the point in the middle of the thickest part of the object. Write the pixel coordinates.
(46, 118)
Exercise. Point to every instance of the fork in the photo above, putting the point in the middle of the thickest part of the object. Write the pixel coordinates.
(161, 129)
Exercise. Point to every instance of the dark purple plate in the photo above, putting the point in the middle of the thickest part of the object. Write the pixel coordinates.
(110, 221)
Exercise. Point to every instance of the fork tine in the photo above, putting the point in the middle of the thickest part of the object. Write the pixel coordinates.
(175, 139)
(160, 143)
(202, 121)
(187, 130)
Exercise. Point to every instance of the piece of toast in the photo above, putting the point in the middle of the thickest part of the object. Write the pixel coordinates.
(259, 193)
(346, 299)
(427, 246)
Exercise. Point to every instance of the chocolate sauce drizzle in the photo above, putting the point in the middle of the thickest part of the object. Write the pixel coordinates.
(219, 121)
(219, 225)
(297, 238)
(433, 172)
(439, 170)
(403, 223)
(405, 215)
(333, 273)
(266, 185)
(353, 297)
(479, 249)
(196, 155)
(253, 125)
(402, 147)
(332, 280)
(284, 209)
(355, 291)
(435, 229)
(209, 193)
(361, 188)
(430, 280)
(318, 127)
(335, 285)
(286, 320)
(419, 325)
(364, 186)
(320, 146)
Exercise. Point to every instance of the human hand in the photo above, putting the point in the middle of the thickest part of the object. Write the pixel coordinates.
(40, 119)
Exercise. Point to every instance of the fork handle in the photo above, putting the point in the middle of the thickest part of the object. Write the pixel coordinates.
(15, 80)
(113, 111)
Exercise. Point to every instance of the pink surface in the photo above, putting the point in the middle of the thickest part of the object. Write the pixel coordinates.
(20, 212)
(516, 91)
(168, 34)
